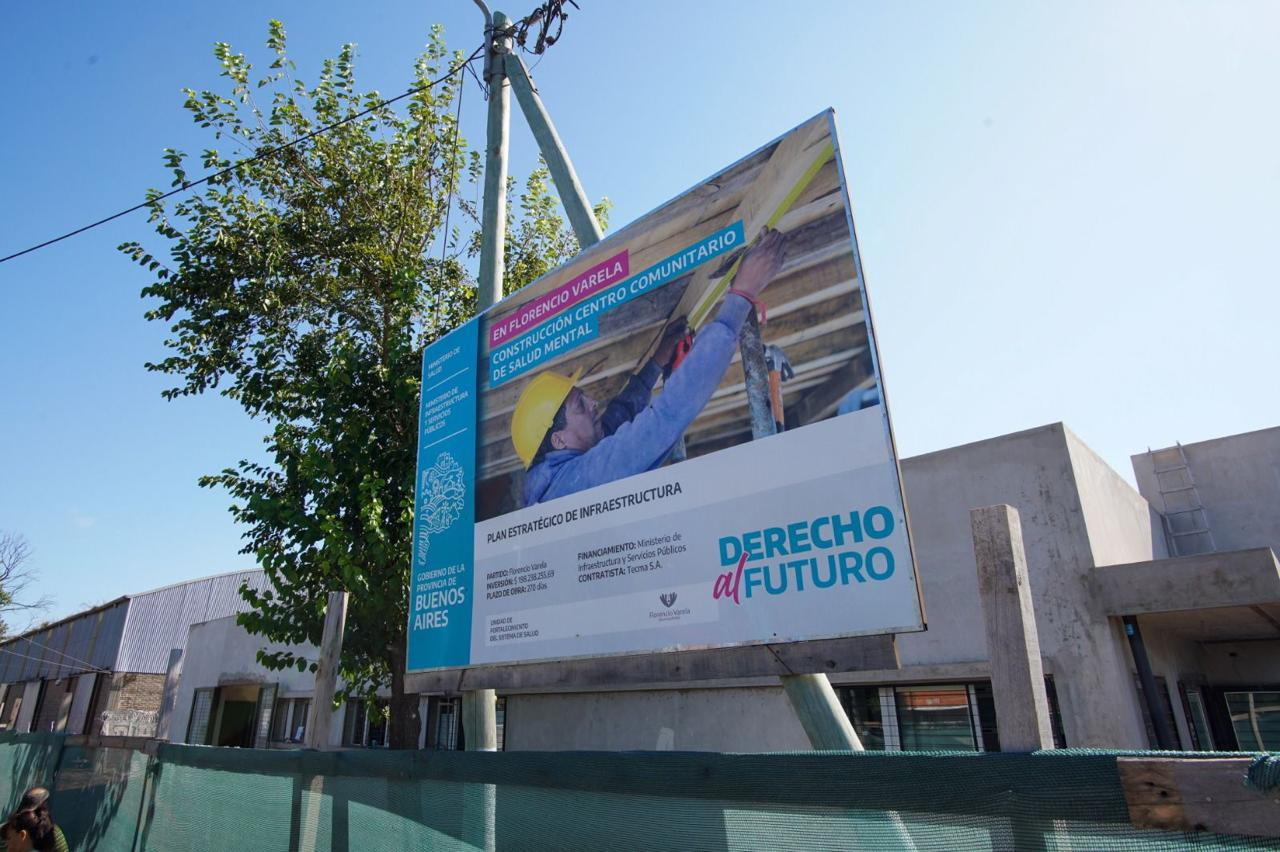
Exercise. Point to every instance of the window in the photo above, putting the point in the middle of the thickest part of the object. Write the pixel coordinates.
(925, 717)
(366, 723)
(442, 723)
(1198, 722)
(289, 724)
(354, 723)
(934, 718)
(865, 710)
(501, 713)
(298, 724)
(1255, 719)
(198, 723)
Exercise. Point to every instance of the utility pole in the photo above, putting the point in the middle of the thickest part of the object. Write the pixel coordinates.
(504, 71)
(497, 34)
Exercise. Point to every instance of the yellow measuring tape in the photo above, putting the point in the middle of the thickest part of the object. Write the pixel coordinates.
(708, 301)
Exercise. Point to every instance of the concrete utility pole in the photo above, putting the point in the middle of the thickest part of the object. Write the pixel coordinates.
(503, 71)
(1017, 672)
(321, 713)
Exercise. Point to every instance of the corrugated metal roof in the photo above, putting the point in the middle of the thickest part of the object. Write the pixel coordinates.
(158, 620)
(129, 634)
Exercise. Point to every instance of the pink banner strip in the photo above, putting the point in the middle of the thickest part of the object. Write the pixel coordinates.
(580, 287)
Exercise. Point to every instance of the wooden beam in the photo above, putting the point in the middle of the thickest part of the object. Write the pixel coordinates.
(854, 653)
(1197, 794)
(821, 401)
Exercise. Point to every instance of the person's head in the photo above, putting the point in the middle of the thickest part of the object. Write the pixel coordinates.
(554, 414)
(34, 799)
(577, 424)
(28, 829)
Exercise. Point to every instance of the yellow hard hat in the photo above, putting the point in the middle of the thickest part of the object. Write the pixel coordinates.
(536, 411)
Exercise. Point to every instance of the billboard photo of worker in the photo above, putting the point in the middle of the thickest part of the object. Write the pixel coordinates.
(627, 429)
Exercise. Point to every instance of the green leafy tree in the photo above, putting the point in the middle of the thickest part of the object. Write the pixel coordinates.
(304, 285)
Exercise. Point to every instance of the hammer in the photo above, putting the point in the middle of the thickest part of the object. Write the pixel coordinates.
(780, 370)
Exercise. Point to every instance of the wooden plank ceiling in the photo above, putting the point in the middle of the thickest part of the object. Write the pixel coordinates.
(813, 306)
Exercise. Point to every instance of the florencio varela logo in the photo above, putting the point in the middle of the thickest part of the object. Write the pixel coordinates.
(668, 599)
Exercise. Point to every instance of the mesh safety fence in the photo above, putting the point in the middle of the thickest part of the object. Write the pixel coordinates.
(170, 797)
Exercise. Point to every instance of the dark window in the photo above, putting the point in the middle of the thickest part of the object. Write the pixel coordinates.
(985, 702)
(502, 724)
(355, 723)
(280, 721)
(377, 736)
(301, 711)
(442, 721)
(862, 704)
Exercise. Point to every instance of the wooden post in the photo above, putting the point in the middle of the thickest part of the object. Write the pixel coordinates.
(1017, 672)
(321, 713)
(569, 188)
(1197, 794)
(494, 222)
(823, 719)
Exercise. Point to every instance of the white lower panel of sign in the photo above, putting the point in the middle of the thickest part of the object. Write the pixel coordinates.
(797, 536)
(620, 613)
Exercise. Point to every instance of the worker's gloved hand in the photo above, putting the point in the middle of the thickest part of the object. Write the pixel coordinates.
(761, 263)
(671, 337)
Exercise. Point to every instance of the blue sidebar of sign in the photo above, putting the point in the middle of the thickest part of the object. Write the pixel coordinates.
(444, 512)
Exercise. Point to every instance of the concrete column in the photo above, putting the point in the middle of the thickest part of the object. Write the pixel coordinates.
(820, 714)
(1017, 673)
(480, 719)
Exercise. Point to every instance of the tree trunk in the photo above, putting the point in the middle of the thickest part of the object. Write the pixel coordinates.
(404, 720)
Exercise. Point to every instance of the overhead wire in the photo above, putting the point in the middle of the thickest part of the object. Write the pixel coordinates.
(263, 154)
(550, 13)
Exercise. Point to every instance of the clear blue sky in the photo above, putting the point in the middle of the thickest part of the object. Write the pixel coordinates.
(1066, 211)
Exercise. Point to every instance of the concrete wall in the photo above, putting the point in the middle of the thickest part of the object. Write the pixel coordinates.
(1238, 481)
(221, 652)
(1057, 490)
(1242, 663)
(1122, 525)
(750, 719)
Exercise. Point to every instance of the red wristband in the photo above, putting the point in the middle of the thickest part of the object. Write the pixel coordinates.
(755, 303)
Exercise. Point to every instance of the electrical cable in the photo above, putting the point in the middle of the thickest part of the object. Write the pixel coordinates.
(268, 152)
(91, 668)
(63, 654)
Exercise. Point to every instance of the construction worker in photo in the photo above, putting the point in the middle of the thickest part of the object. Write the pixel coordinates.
(568, 444)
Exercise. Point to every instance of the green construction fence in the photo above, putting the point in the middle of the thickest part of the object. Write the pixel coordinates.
(120, 795)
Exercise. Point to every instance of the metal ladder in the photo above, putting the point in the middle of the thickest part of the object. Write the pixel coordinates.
(1186, 524)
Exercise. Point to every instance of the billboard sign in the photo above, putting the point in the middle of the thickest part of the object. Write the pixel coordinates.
(677, 440)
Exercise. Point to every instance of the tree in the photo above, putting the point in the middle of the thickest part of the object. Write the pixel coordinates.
(304, 285)
(16, 576)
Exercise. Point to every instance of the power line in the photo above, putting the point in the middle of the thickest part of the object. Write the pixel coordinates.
(268, 152)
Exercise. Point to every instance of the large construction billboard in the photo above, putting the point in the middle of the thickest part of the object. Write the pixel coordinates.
(677, 440)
